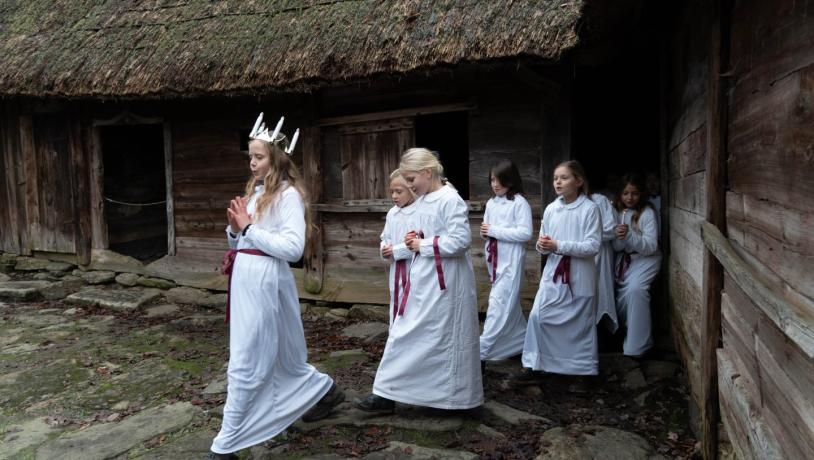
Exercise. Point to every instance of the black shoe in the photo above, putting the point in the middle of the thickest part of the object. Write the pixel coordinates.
(214, 456)
(325, 406)
(374, 403)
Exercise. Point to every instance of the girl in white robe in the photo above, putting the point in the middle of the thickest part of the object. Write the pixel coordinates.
(561, 334)
(431, 355)
(506, 228)
(270, 384)
(605, 296)
(637, 264)
(400, 220)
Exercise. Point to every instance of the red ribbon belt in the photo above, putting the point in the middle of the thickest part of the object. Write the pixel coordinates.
(563, 272)
(226, 268)
(400, 280)
(491, 249)
(624, 264)
(438, 268)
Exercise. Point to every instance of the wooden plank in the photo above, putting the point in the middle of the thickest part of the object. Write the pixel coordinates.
(740, 318)
(757, 440)
(29, 157)
(97, 202)
(412, 112)
(775, 133)
(780, 260)
(314, 257)
(81, 186)
(794, 411)
(690, 193)
(790, 318)
(8, 147)
(769, 42)
(168, 181)
(715, 213)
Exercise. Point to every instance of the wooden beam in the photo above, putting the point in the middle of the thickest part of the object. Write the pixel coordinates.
(790, 318)
(169, 188)
(32, 207)
(80, 189)
(715, 178)
(97, 201)
(412, 112)
(314, 257)
(8, 133)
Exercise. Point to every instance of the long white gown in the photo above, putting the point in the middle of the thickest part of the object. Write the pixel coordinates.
(605, 296)
(561, 335)
(431, 355)
(505, 328)
(270, 384)
(633, 288)
(398, 222)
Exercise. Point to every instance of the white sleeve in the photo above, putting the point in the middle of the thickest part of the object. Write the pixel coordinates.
(458, 237)
(288, 242)
(232, 241)
(646, 240)
(520, 231)
(589, 247)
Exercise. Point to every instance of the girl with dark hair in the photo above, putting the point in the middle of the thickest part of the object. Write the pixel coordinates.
(506, 228)
(637, 263)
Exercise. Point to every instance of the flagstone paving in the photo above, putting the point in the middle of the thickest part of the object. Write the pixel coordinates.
(129, 372)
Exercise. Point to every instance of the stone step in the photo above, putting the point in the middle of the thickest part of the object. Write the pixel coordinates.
(107, 440)
(22, 290)
(114, 299)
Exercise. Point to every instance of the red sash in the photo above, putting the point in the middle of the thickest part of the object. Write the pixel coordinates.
(226, 269)
(491, 249)
(563, 272)
(399, 281)
(624, 264)
(438, 268)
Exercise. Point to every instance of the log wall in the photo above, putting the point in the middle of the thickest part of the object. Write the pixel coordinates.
(766, 366)
(686, 101)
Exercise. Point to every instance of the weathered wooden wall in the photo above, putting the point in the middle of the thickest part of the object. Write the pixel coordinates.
(766, 368)
(42, 148)
(686, 106)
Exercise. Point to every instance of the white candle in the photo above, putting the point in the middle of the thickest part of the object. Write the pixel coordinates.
(277, 129)
(293, 141)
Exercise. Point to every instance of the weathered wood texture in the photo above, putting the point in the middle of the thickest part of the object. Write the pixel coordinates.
(686, 100)
(369, 153)
(768, 316)
(314, 256)
(49, 194)
(11, 216)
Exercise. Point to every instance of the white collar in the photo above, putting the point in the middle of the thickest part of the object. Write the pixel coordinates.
(405, 210)
(434, 196)
(573, 204)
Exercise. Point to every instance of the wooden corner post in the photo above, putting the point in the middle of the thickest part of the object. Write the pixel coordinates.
(715, 215)
(314, 257)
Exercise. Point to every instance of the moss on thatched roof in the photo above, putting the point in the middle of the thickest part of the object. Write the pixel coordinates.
(129, 48)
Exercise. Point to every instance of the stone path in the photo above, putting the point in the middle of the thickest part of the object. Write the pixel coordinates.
(121, 370)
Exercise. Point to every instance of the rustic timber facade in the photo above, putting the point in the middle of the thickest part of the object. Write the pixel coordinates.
(134, 103)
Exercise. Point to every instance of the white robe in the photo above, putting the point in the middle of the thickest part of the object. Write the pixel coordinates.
(561, 335)
(270, 385)
(398, 222)
(431, 355)
(505, 328)
(605, 296)
(633, 290)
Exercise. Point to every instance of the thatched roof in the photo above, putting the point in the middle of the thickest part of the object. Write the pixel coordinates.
(161, 48)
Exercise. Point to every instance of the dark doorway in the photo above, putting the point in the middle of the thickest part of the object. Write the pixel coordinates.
(135, 190)
(616, 127)
(447, 134)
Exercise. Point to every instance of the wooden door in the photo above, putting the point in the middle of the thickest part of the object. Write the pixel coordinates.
(369, 153)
